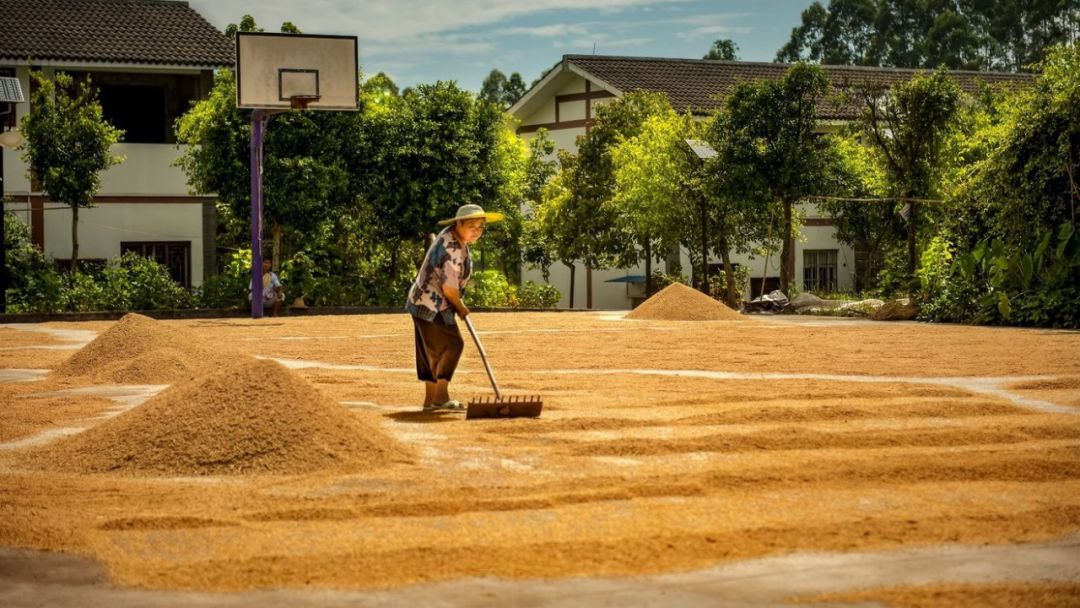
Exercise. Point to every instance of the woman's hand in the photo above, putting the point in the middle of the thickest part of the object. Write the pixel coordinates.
(454, 297)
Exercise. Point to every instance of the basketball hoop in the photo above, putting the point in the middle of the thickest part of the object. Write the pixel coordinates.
(278, 73)
(301, 102)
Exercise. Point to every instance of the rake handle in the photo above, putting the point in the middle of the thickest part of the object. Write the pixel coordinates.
(483, 357)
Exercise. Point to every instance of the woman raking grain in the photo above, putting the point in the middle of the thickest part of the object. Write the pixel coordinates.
(436, 297)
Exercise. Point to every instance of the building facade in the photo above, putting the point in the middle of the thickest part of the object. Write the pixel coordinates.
(564, 103)
(150, 60)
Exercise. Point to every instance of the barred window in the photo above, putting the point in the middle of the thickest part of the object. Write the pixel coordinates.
(819, 270)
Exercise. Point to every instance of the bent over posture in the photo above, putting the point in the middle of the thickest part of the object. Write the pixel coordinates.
(435, 298)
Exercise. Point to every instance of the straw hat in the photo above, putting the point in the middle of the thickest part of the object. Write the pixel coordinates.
(472, 212)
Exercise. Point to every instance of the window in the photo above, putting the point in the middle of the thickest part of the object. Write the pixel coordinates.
(819, 270)
(173, 255)
(7, 119)
(137, 109)
(144, 105)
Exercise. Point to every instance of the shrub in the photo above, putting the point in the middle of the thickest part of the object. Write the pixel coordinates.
(998, 284)
(228, 288)
(531, 295)
(490, 289)
(34, 283)
(134, 282)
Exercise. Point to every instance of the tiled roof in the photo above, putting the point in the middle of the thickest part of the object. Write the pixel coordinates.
(114, 31)
(697, 84)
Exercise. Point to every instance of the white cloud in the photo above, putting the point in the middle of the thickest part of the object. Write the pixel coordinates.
(544, 31)
(393, 20)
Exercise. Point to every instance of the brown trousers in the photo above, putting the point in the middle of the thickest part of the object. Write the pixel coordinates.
(438, 349)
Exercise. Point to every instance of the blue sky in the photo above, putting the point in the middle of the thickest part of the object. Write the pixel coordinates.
(416, 41)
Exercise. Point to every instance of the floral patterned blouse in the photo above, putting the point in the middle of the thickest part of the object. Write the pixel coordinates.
(446, 264)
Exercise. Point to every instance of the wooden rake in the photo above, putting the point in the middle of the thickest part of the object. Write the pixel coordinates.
(499, 406)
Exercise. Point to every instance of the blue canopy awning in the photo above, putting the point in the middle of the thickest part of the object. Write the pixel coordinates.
(630, 278)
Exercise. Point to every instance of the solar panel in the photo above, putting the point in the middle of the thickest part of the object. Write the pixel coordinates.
(10, 90)
(702, 149)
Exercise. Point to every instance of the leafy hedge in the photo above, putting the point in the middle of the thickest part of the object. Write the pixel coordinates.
(490, 289)
(998, 284)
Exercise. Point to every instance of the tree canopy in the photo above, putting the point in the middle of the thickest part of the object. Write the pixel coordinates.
(1009, 35)
(68, 144)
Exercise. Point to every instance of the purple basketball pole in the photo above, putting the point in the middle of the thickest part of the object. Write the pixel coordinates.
(258, 125)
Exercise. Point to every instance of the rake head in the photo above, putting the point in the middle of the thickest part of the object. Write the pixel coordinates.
(507, 407)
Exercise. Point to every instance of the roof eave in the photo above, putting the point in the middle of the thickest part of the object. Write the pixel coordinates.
(526, 100)
(100, 63)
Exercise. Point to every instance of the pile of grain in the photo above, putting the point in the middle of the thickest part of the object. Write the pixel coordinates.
(677, 302)
(252, 416)
(140, 350)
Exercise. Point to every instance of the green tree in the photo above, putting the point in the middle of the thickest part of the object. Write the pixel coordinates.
(437, 148)
(491, 90)
(960, 34)
(380, 85)
(556, 233)
(1026, 181)
(588, 179)
(650, 197)
(304, 168)
(737, 220)
(539, 170)
(247, 24)
(867, 222)
(723, 49)
(500, 90)
(772, 148)
(68, 144)
(908, 125)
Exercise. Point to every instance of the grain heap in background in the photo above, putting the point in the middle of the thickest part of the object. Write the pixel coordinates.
(252, 416)
(677, 302)
(140, 350)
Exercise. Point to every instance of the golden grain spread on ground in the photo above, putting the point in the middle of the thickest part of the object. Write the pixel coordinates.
(664, 446)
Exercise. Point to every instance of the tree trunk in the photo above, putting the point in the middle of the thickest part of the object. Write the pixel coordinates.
(704, 246)
(588, 287)
(277, 246)
(572, 268)
(74, 238)
(648, 267)
(731, 293)
(787, 252)
(913, 255)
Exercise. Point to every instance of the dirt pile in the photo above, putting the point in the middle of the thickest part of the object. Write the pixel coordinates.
(140, 350)
(677, 302)
(252, 416)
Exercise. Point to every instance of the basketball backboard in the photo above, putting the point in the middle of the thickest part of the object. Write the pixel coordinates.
(283, 71)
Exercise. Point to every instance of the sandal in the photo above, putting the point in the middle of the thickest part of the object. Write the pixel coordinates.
(449, 406)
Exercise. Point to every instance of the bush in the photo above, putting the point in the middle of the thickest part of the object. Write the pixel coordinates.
(531, 295)
(998, 284)
(228, 288)
(34, 283)
(718, 283)
(490, 289)
(134, 282)
(130, 282)
(661, 280)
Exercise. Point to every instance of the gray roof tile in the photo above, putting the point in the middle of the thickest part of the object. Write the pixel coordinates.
(698, 85)
(116, 31)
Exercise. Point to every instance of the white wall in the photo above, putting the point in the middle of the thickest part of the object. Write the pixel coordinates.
(104, 227)
(147, 169)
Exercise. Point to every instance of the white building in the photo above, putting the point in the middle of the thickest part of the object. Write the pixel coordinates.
(149, 59)
(564, 103)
